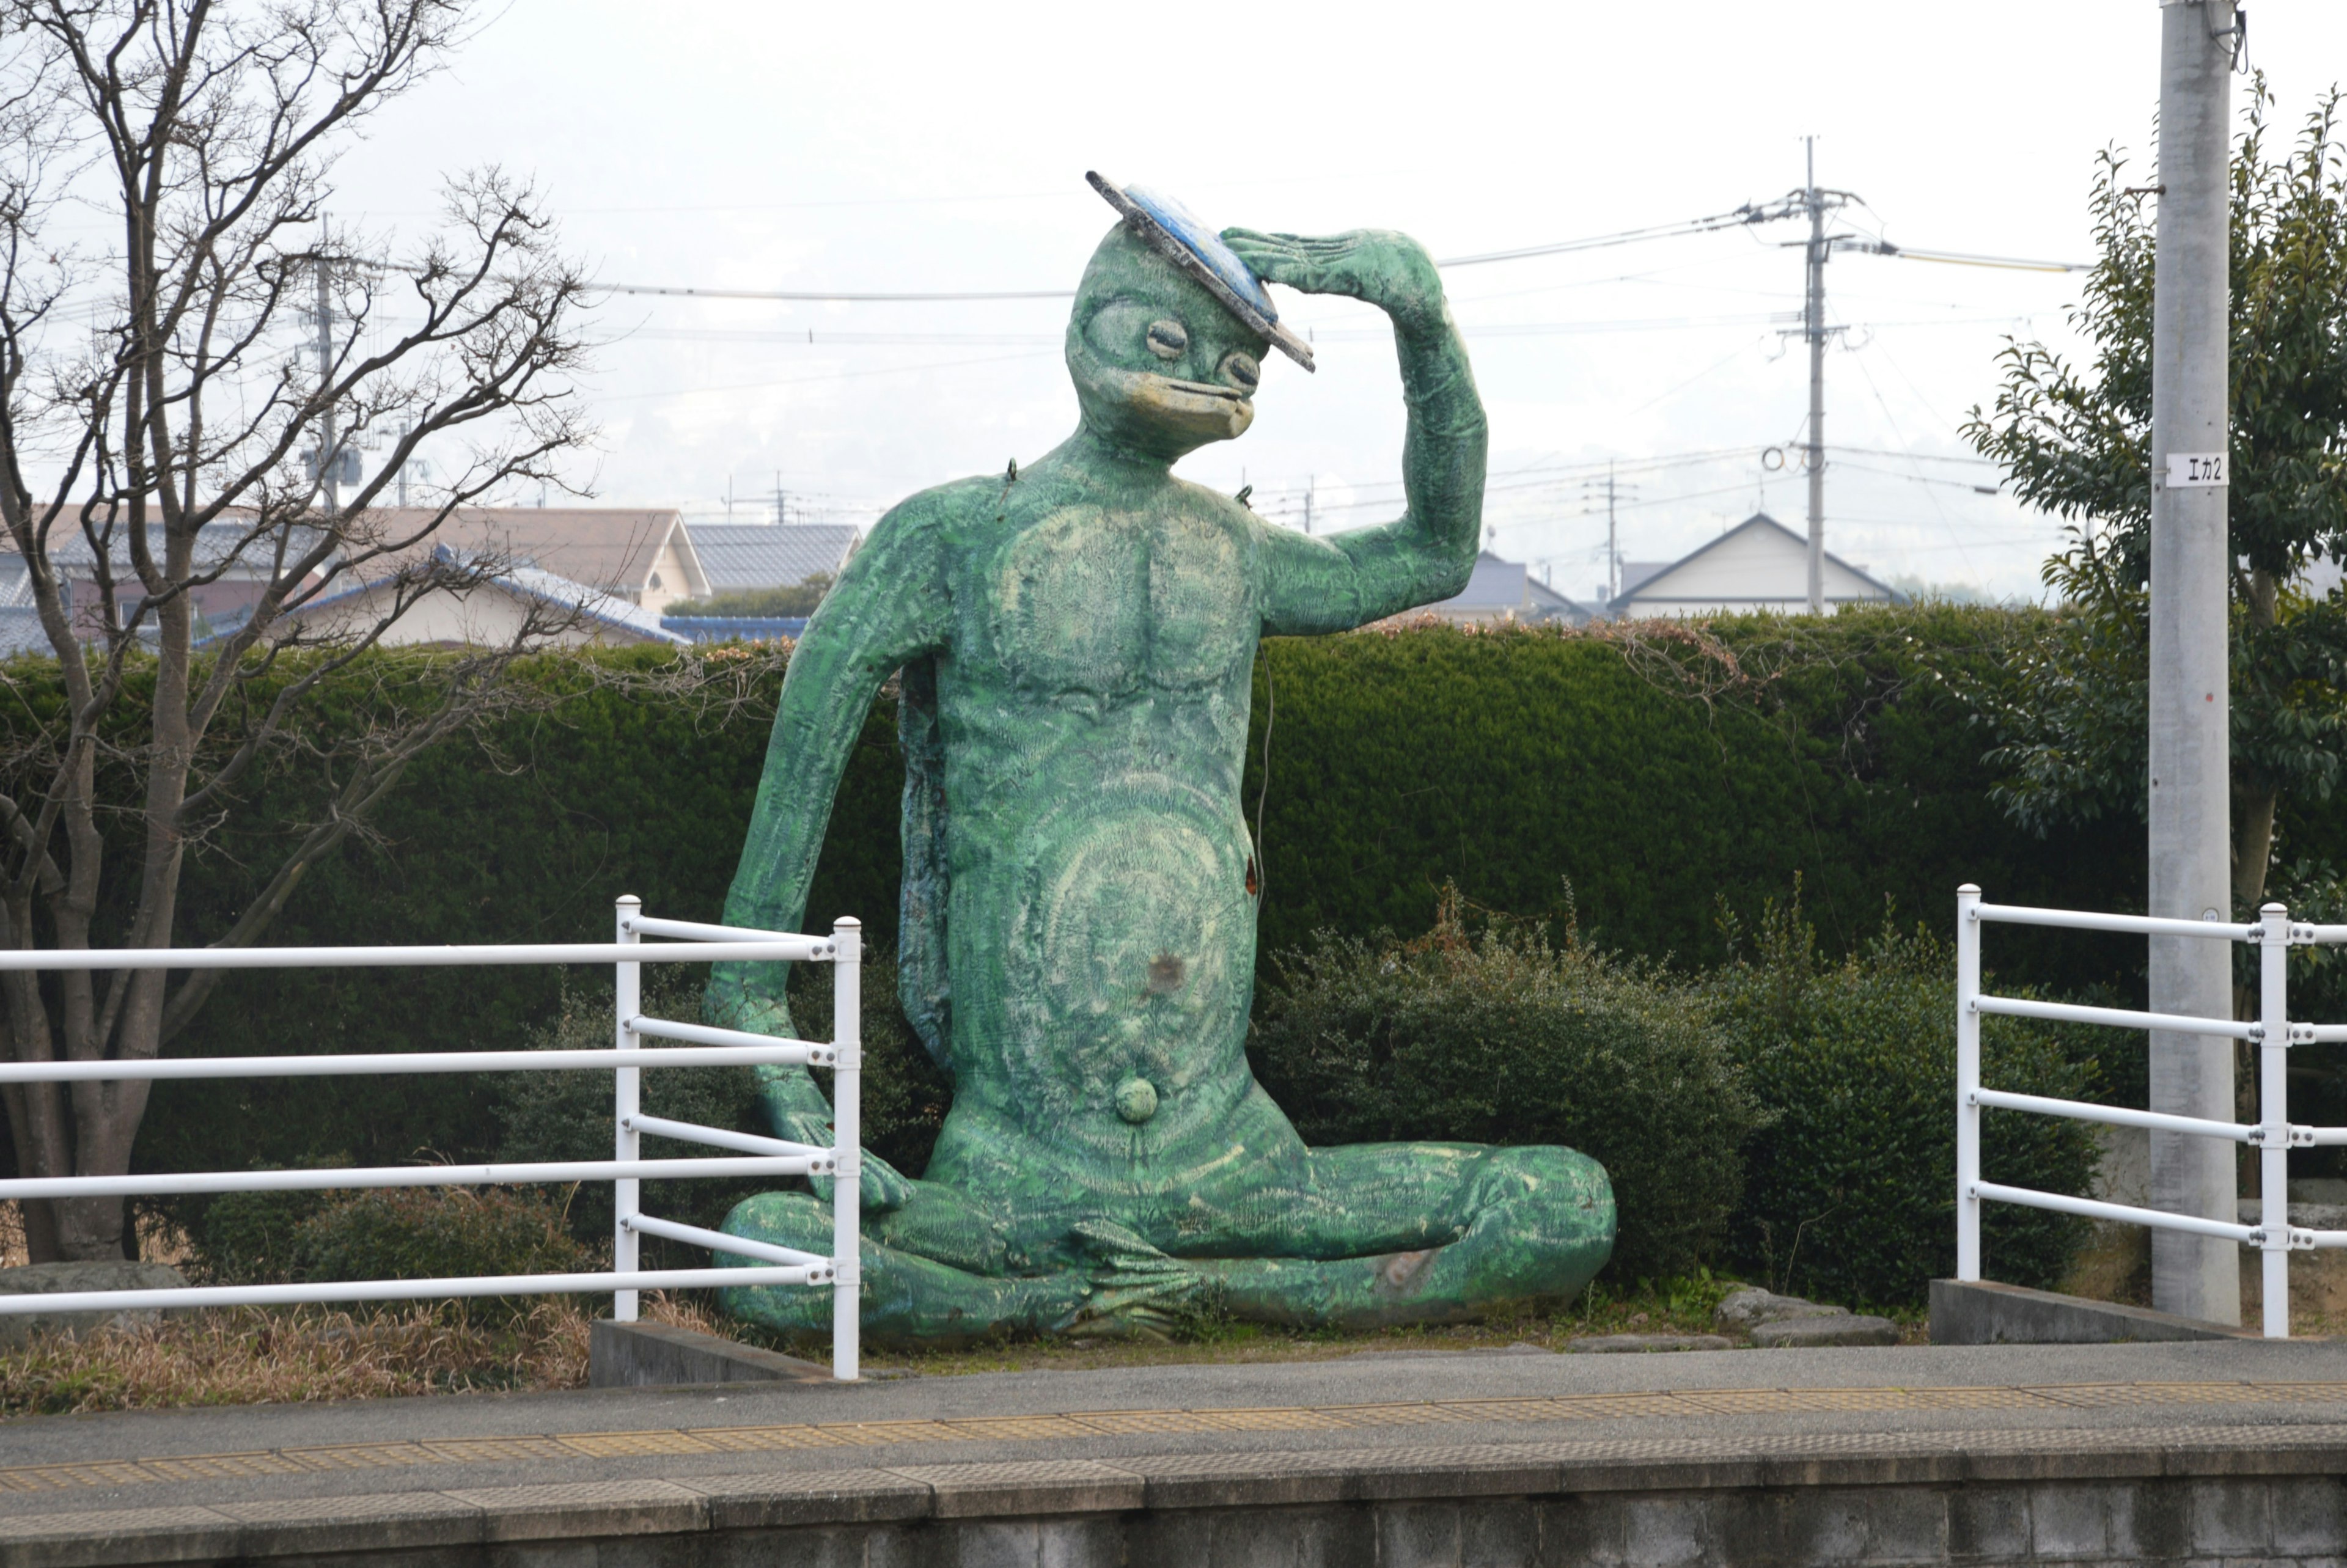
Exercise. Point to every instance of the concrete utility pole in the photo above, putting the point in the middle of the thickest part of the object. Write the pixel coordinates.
(2191, 836)
(1813, 323)
(329, 449)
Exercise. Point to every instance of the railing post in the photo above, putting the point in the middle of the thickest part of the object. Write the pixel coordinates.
(628, 1002)
(1968, 1116)
(2273, 1118)
(848, 1139)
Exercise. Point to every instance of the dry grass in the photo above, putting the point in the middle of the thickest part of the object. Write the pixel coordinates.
(247, 1356)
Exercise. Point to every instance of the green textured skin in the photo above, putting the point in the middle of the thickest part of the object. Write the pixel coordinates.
(1077, 640)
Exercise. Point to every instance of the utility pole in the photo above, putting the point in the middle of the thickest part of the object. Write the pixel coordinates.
(2191, 827)
(1613, 541)
(1813, 325)
(330, 452)
(781, 503)
(1307, 505)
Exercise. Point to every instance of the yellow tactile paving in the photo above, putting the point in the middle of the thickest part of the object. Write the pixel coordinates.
(1049, 1428)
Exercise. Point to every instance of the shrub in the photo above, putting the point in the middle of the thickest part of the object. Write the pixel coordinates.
(250, 1238)
(1850, 1192)
(439, 1233)
(1499, 1036)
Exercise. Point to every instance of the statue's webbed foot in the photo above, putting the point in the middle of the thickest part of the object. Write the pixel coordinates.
(1133, 1288)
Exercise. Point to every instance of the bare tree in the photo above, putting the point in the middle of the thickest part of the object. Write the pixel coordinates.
(182, 399)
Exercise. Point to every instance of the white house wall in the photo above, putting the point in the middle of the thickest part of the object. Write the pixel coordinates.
(484, 618)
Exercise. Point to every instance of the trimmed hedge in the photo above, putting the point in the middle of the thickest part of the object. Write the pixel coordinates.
(1658, 773)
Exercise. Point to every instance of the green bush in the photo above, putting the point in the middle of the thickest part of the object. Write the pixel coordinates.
(440, 1232)
(254, 1238)
(398, 1233)
(1499, 1036)
(1850, 1192)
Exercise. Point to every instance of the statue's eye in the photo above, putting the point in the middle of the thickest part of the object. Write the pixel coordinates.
(1241, 370)
(1168, 339)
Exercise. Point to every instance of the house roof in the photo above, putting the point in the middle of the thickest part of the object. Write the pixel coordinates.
(20, 631)
(600, 605)
(1656, 590)
(1497, 585)
(612, 547)
(740, 558)
(216, 544)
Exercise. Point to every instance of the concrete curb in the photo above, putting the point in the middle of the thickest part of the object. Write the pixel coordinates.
(686, 1518)
(1981, 1312)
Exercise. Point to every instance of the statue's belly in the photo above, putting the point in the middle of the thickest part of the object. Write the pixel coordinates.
(1118, 942)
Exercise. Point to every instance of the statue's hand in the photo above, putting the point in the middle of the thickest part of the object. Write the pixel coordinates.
(1134, 1288)
(796, 1108)
(1378, 266)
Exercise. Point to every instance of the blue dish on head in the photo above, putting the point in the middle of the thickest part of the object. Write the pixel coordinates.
(1182, 238)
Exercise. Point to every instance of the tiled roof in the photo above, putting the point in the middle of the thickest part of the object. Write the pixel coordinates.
(740, 558)
(1497, 585)
(21, 632)
(734, 628)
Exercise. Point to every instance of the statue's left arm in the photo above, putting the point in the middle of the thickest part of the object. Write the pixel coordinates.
(1337, 581)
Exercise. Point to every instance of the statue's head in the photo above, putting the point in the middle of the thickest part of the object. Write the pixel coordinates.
(1159, 365)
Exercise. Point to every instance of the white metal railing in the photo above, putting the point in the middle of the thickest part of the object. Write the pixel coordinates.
(2272, 1135)
(701, 1046)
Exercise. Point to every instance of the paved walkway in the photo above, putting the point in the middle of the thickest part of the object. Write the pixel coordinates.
(1786, 1401)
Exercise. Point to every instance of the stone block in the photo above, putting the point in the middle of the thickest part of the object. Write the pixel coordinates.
(95, 1538)
(1743, 1310)
(1034, 1487)
(2230, 1518)
(1812, 1333)
(590, 1508)
(1989, 1523)
(1908, 1523)
(386, 1522)
(1635, 1344)
(1418, 1535)
(1664, 1531)
(1096, 1542)
(59, 1279)
(658, 1354)
(781, 1499)
(2310, 1516)
(2067, 1521)
(1500, 1532)
(2149, 1521)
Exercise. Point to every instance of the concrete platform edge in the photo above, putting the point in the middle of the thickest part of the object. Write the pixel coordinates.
(588, 1520)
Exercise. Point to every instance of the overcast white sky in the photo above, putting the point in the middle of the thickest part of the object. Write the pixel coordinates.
(884, 148)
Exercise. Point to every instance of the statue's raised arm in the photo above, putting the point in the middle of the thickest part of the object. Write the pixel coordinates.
(1334, 582)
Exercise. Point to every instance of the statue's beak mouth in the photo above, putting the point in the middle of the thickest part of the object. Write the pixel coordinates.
(1197, 408)
(1190, 396)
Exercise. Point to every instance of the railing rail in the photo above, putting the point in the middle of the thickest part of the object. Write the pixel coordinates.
(2272, 1135)
(630, 1056)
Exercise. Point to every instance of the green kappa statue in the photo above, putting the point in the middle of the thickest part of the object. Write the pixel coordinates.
(1076, 640)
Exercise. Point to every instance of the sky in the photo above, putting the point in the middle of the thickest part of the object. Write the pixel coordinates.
(935, 149)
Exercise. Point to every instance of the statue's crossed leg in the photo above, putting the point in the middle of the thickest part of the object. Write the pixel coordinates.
(1361, 1237)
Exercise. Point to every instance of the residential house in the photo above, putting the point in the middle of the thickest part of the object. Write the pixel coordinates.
(1499, 591)
(1760, 564)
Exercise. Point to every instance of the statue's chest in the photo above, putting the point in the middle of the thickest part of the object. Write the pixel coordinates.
(1085, 601)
